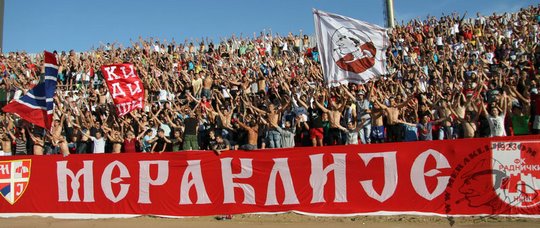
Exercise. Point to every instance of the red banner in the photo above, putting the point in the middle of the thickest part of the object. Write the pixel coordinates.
(125, 87)
(461, 177)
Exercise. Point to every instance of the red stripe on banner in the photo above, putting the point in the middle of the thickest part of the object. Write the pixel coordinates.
(50, 58)
(460, 177)
(35, 116)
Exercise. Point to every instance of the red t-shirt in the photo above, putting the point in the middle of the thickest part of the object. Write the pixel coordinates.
(130, 146)
(468, 35)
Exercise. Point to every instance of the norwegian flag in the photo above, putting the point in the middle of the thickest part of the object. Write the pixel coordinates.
(37, 105)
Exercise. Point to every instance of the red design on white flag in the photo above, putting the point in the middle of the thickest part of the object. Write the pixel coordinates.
(125, 87)
(351, 50)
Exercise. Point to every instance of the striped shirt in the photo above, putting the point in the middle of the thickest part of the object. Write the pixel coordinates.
(20, 147)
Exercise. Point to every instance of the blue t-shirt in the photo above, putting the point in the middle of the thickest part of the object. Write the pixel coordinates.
(425, 131)
(316, 56)
(411, 133)
(146, 146)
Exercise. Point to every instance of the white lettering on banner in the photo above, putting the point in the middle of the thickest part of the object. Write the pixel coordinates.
(229, 184)
(520, 168)
(124, 108)
(20, 188)
(281, 168)
(107, 181)
(117, 90)
(390, 175)
(62, 172)
(193, 169)
(4, 169)
(145, 180)
(110, 72)
(137, 88)
(319, 176)
(418, 174)
(131, 72)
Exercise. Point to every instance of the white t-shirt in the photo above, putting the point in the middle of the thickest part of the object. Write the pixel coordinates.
(496, 125)
(162, 95)
(352, 137)
(166, 129)
(455, 29)
(285, 46)
(439, 41)
(99, 145)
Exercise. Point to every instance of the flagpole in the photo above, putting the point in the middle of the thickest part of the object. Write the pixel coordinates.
(390, 13)
(2, 25)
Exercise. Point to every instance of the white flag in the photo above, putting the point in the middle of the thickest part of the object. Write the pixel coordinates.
(350, 50)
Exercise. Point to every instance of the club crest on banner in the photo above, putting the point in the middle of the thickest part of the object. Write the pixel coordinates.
(14, 178)
(520, 186)
(353, 50)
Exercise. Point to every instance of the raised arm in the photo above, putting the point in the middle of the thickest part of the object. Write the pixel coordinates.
(348, 93)
(324, 109)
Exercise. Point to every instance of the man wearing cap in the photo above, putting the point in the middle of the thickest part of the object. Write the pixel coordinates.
(363, 111)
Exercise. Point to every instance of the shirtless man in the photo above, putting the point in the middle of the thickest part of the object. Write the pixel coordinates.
(6, 142)
(273, 117)
(377, 124)
(467, 114)
(102, 94)
(225, 116)
(57, 137)
(468, 123)
(253, 134)
(392, 116)
(460, 106)
(465, 111)
(334, 134)
(446, 131)
(115, 138)
(38, 143)
(207, 87)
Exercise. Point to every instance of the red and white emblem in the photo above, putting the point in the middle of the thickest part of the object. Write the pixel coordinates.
(14, 177)
(353, 50)
(521, 165)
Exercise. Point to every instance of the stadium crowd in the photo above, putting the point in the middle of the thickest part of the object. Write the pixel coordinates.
(450, 77)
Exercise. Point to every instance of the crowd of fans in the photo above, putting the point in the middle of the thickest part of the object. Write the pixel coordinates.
(450, 77)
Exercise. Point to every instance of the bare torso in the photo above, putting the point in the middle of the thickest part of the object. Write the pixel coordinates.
(335, 118)
(392, 115)
(469, 129)
(226, 119)
(445, 113)
(6, 144)
(253, 135)
(273, 118)
(38, 146)
(377, 118)
(207, 83)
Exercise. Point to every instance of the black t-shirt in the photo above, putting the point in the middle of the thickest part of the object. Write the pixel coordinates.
(315, 118)
(483, 129)
(191, 126)
(160, 144)
(221, 146)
